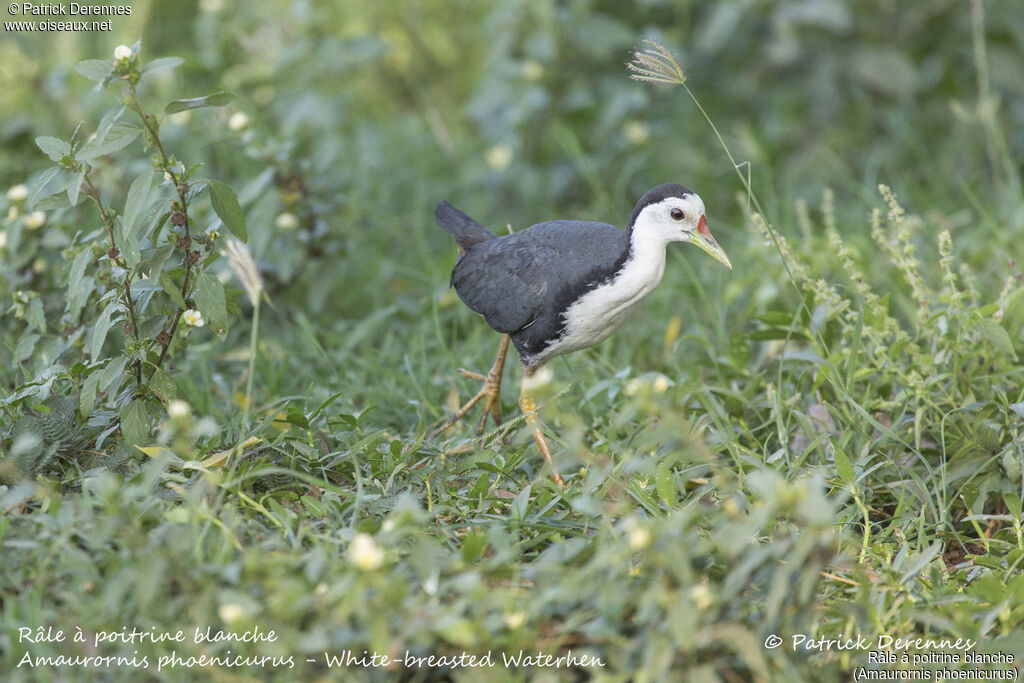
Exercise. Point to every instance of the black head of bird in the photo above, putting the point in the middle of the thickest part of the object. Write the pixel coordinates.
(565, 285)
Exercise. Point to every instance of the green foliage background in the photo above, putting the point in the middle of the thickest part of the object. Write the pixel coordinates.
(825, 441)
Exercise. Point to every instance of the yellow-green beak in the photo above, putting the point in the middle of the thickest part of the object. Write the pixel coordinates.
(701, 237)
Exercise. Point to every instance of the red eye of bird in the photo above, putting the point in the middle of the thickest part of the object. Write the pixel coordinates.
(677, 214)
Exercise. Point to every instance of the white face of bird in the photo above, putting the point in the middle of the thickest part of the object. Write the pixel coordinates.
(679, 219)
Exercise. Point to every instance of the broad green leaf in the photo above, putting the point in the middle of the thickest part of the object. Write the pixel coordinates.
(54, 148)
(971, 493)
(139, 199)
(218, 458)
(52, 203)
(111, 117)
(75, 186)
(919, 562)
(157, 262)
(521, 503)
(26, 345)
(95, 69)
(314, 507)
(473, 545)
(163, 386)
(162, 64)
(479, 489)
(997, 335)
(111, 376)
(843, 466)
(78, 292)
(169, 286)
(104, 322)
(135, 423)
(1013, 504)
(225, 203)
(39, 189)
(129, 228)
(127, 242)
(156, 226)
(117, 137)
(212, 304)
(988, 309)
(35, 316)
(158, 452)
(217, 99)
(87, 399)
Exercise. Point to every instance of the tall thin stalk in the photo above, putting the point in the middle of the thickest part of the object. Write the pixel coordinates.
(248, 274)
(656, 64)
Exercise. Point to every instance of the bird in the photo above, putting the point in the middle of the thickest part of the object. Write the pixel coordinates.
(564, 285)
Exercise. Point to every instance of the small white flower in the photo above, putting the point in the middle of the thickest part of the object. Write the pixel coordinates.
(230, 612)
(639, 538)
(432, 583)
(533, 70)
(634, 386)
(238, 121)
(286, 221)
(168, 177)
(499, 157)
(364, 553)
(702, 596)
(636, 132)
(538, 379)
(35, 220)
(17, 193)
(211, 6)
(3, 240)
(661, 384)
(12, 213)
(122, 53)
(193, 318)
(178, 409)
(39, 266)
(514, 619)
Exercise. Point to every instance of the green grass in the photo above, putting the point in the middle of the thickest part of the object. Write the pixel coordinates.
(824, 442)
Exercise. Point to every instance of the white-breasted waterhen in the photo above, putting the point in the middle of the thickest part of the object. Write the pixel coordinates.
(564, 285)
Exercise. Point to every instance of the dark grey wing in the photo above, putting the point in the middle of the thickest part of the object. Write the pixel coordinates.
(521, 283)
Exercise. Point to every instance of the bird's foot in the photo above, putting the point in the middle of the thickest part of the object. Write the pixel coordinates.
(529, 408)
(489, 393)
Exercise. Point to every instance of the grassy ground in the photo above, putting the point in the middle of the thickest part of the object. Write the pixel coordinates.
(822, 445)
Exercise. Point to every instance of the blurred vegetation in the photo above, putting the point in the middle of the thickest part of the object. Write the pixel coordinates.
(831, 453)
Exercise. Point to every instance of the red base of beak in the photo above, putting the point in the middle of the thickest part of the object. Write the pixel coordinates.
(702, 227)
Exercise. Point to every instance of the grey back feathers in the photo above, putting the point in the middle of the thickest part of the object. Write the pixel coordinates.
(522, 283)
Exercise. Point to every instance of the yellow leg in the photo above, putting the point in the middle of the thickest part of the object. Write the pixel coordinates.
(489, 393)
(529, 408)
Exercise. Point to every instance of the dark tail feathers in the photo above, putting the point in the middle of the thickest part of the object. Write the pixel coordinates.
(466, 231)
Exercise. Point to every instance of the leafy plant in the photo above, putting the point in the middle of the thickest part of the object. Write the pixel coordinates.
(146, 273)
